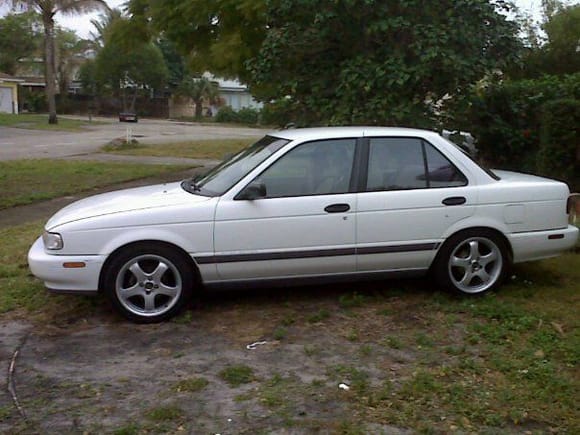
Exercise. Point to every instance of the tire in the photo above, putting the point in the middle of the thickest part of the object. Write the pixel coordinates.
(473, 262)
(148, 283)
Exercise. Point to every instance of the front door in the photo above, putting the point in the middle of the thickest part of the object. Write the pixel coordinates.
(303, 225)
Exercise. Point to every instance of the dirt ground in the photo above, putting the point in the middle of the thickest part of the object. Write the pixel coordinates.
(100, 374)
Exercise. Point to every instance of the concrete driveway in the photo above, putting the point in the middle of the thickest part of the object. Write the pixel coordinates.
(16, 143)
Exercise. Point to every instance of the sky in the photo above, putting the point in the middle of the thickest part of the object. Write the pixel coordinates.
(82, 24)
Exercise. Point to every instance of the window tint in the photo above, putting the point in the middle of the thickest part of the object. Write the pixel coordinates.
(395, 164)
(409, 163)
(229, 172)
(315, 168)
(440, 171)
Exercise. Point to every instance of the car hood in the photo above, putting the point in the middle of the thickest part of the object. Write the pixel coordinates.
(141, 198)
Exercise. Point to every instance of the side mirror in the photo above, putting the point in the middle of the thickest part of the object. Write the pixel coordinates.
(254, 190)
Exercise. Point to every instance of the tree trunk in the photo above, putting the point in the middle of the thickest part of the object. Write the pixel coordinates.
(133, 100)
(198, 108)
(49, 74)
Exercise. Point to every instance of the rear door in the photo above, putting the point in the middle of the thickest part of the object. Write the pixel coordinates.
(410, 195)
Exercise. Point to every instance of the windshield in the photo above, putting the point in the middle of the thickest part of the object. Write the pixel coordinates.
(225, 175)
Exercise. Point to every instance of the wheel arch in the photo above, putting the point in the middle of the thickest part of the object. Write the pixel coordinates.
(149, 242)
(497, 232)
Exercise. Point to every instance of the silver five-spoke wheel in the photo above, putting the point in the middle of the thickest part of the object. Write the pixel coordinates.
(148, 285)
(148, 282)
(475, 265)
(473, 261)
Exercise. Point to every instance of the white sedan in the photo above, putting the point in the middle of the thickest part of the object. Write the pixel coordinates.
(307, 205)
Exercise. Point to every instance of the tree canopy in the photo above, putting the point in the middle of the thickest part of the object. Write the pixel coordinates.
(217, 36)
(20, 37)
(124, 64)
(359, 61)
(342, 61)
(553, 47)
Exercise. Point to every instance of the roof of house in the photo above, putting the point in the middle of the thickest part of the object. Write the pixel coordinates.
(8, 78)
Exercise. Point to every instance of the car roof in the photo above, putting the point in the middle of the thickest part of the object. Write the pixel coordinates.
(335, 132)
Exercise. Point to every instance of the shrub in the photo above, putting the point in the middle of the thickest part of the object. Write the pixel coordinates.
(526, 125)
(506, 118)
(248, 115)
(226, 114)
(277, 113)
(559, 153)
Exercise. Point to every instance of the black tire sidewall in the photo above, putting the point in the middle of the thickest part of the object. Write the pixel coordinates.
(126, 254)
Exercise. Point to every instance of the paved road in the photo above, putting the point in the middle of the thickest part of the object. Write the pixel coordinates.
(18, 143)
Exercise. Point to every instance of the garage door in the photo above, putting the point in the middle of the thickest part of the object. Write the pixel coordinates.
(5, 100)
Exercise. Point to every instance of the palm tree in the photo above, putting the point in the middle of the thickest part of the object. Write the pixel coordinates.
(198, 89)
(103, 25)
(47, 10)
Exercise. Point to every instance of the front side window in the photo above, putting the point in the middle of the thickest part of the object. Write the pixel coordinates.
(225, 175)
(409, 163)
(314, 168)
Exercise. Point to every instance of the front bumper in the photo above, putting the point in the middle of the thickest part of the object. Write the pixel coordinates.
(50, 269)
(542, 244)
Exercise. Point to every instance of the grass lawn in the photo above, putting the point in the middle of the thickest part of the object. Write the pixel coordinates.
(40, 122)
(27, 181)
(506, 362)
(197, 149)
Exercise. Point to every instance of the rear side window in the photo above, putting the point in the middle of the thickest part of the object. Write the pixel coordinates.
(409, 163)
(440, 171)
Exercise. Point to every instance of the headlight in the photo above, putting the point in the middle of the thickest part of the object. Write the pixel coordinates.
(52, 241)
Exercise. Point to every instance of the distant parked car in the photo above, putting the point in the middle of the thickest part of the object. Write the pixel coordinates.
(307, 205)
(128, 117)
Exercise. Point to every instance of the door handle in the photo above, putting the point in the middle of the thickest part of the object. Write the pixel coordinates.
(337, 208)
(454, 200)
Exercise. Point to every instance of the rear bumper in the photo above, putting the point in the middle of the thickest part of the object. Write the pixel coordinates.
(49, 268)
(542, 244)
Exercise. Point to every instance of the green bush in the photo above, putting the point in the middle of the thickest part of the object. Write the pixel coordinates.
(559, 152)
(248, 115)
(226, 114)
(277, 113)
(506, 118)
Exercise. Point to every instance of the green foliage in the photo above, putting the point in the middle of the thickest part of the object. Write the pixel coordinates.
(506, 118)
(19, 38)
(226, 114)
(127, 65)
(247, 115)
(563, 30)
(369, 62)
(559, 153)
(277, 113)
(558, 55)
(218, 36)
(174, 61)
